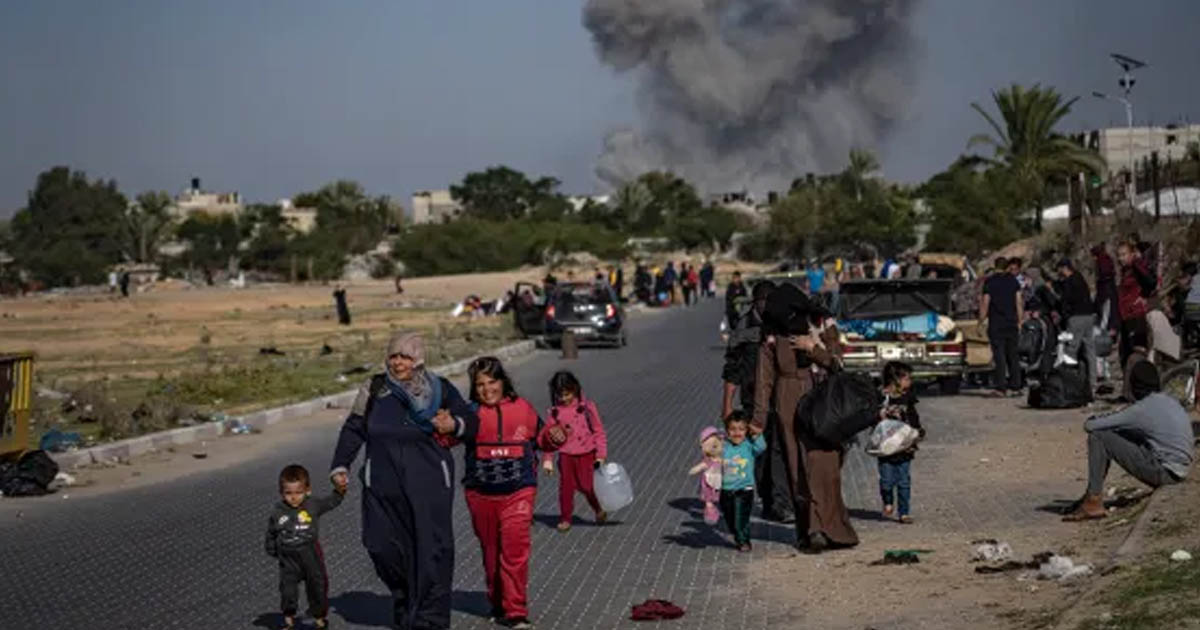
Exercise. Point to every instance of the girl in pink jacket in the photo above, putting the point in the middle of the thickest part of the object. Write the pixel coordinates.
(586, 447)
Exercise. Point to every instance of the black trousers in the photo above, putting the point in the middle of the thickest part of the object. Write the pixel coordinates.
(303, 564)
(770, 473)
(411, 543)
(1004, 356)
(736, 506)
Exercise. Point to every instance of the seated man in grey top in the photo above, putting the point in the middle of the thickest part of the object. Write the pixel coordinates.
(1151, 439)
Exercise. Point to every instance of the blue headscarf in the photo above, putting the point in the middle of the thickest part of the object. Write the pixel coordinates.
(421, 395)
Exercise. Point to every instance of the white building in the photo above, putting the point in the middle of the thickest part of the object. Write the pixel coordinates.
(1118, 144)
(195, 200)
(303, 220)
(434, 206)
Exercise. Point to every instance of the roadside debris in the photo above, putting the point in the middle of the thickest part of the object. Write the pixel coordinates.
(30, 476)
(63, 480)
(1062, 568)
(358, 369)
(655, 610)
(900, 556)
(341, 378)
(237, 427)
(1181, 556)
(272, 350)
(57, 441)
(1008, 564)
(326, 349)
(991, 550)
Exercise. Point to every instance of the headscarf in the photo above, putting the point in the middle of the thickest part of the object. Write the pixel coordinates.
(422, 393)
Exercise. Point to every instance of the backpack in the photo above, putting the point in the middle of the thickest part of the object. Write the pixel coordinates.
(1066, 387)
(839, 408)
(1031, 343)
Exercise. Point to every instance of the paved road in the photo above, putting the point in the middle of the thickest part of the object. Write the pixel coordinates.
(188, 553)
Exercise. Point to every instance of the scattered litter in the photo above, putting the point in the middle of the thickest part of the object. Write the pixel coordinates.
(341, 378)
(992, 551)
(655, 610)
(326, 350)
(1014, 565)
(200, 455)
(358, 369)
(63, 479)
(45, 392)
(217, 417)
(1105, 617)
(1062, 568)
(57, 441)
(984, 460)
(237, 427)
(272, 350)
(1181, 556)
(66, 496)
(900, 556)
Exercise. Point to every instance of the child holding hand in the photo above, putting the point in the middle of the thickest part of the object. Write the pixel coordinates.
(737, 475)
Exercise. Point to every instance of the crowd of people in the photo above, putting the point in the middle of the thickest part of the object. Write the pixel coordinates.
(683, 284)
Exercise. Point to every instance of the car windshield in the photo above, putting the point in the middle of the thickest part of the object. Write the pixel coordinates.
(581, 294)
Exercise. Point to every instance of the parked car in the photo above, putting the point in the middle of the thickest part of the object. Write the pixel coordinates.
(590, 311)
(933, 358)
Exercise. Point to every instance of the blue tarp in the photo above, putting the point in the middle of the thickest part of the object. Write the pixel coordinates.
(924, 324)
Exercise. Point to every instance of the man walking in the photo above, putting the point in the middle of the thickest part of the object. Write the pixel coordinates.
(1081, 318)
(1003, 309)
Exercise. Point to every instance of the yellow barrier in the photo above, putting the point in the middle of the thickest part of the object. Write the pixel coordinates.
(16, 402)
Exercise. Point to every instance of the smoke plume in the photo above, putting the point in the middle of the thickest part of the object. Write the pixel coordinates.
(752, 93)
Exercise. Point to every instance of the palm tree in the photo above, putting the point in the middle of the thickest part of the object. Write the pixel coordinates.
(1027, 143)
(862, 164)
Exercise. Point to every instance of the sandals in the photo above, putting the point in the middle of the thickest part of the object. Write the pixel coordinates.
(1079, 516)
(564, 526)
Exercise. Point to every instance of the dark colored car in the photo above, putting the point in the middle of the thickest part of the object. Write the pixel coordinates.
(590, 311)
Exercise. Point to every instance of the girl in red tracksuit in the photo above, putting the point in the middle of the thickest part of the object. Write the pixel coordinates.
(501, 482)
(586, 447)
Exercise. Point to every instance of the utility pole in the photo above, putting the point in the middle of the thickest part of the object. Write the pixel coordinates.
(1128, 64)
(1154, 183)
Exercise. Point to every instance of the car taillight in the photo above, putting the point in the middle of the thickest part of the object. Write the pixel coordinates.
(610, 311)
(944, 348)
(550, 312)
(857, 350)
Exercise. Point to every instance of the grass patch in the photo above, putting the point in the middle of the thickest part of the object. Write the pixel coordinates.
(1159, 595)
(1172, 529)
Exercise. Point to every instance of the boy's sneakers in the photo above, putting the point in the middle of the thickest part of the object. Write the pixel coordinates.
(519, 623)
(906, 519)
(289, 623)
(321, 624)
(745, 547)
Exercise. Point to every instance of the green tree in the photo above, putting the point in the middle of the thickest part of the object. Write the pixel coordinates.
(69, 230)
(350, 221)
(632, 203)
(147, 224)
(1027, 143)
(270, 238)
(974, 210)
(862, 165)
(212, 241)
(501, 193)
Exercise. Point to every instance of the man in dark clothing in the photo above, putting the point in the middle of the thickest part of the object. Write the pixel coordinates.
(1003, 309)
(124, 284)
(738, 375)
(735, 290)
(343, 310)
(706, 279)
(1080, 317)
(1106, 290)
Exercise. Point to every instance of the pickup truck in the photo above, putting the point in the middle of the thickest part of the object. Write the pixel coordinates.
(866, 348)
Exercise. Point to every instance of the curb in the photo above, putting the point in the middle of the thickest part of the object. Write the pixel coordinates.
(124, 449)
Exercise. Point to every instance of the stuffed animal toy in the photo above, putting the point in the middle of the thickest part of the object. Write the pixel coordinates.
(712, 443)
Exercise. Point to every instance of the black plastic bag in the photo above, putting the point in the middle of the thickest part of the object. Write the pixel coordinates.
(839, 408)
(1066, 387)
(31, 476)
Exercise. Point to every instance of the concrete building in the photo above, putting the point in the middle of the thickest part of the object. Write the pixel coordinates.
(434, 206)
(1115, 143)
(303, 220)
(195, 200)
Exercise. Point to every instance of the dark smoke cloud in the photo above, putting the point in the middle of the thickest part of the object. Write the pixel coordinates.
(753, 93)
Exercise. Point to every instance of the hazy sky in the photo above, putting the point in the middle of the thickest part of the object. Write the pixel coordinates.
(273, 97)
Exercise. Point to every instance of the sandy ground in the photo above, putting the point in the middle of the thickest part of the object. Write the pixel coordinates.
(1003, 476)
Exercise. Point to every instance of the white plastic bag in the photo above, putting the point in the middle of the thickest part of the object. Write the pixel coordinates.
(890, 437)
(613, 487)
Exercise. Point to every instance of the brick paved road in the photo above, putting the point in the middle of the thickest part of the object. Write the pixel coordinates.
(188, 553)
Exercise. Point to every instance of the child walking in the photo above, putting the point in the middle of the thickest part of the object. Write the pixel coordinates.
(737, 476)
(899, 403)
(586, 447)
(292, 539)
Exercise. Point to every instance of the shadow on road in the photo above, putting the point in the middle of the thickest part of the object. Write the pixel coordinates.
(691, 506)
(363, 609)
(375, 609)
(869, 515)
(698, 536)
(551, 521)
(269, 620)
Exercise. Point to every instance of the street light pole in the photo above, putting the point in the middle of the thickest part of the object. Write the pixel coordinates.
(1131, 187)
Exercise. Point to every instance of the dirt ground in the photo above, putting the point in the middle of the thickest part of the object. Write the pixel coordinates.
(991, 487)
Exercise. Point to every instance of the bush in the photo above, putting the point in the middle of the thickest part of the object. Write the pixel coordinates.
(471, 245)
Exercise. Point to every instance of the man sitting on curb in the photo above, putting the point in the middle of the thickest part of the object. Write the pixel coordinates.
(1151, 439)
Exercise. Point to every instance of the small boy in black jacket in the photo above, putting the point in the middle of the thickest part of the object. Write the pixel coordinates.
(900, 404)
(292, 538)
